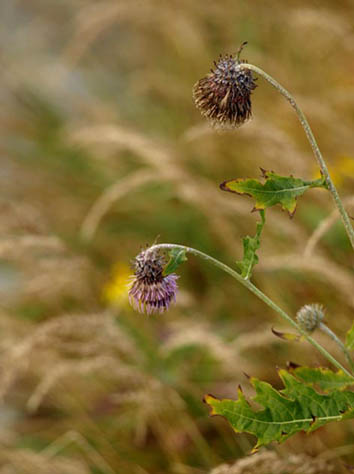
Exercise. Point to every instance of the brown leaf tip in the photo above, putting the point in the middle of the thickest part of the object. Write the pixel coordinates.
(263, 172)
(223, 186)
(292, 365)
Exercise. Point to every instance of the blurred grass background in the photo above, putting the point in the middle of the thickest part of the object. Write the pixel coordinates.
(102, 151)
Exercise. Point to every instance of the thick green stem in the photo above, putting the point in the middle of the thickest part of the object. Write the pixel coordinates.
(258, 293)
(322, 164)
(336, 339)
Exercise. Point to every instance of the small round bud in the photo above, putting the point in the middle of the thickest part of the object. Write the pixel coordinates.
(310, 316)
(224, 95)
(150, 290)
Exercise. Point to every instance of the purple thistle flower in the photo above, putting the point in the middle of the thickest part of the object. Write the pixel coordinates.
(151, 291)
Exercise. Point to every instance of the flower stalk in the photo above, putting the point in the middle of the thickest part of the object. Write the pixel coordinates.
(311, 138)
(340, 344)
(259, 294)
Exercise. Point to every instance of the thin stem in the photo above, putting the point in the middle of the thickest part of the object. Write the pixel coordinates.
(310, 136)
(258, 293)
(336, 339)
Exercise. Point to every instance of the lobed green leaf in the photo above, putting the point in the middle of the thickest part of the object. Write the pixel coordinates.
(276, 189)
(297, 407)
(324, 378)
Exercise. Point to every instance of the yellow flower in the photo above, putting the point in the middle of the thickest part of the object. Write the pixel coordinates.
(341, 169)
(115, 291)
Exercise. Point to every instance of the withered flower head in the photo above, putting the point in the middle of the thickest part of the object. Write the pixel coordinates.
(151, 291)
(224, 95)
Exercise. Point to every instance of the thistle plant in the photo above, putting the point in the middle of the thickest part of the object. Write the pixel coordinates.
(311, 397)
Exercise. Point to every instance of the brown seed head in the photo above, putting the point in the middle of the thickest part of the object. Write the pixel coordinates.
(224, 95)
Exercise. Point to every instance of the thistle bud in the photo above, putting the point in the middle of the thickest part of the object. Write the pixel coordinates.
(310, 316)
(150, 290)
(224, 95)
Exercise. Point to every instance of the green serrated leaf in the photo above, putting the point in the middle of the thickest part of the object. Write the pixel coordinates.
(177, 257)
(250, 246)
(349, 340)
(324, 378)
(298, 407)
(276, 189)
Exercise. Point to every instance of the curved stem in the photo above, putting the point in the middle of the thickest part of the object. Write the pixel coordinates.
(336, 339)
(322, 164)
(258, 293)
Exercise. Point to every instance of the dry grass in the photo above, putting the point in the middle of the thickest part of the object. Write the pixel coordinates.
(268, 462)
(102, 151)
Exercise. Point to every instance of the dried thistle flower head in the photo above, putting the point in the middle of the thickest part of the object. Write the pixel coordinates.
(310, 316)
(224, 95)
(151, 291)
